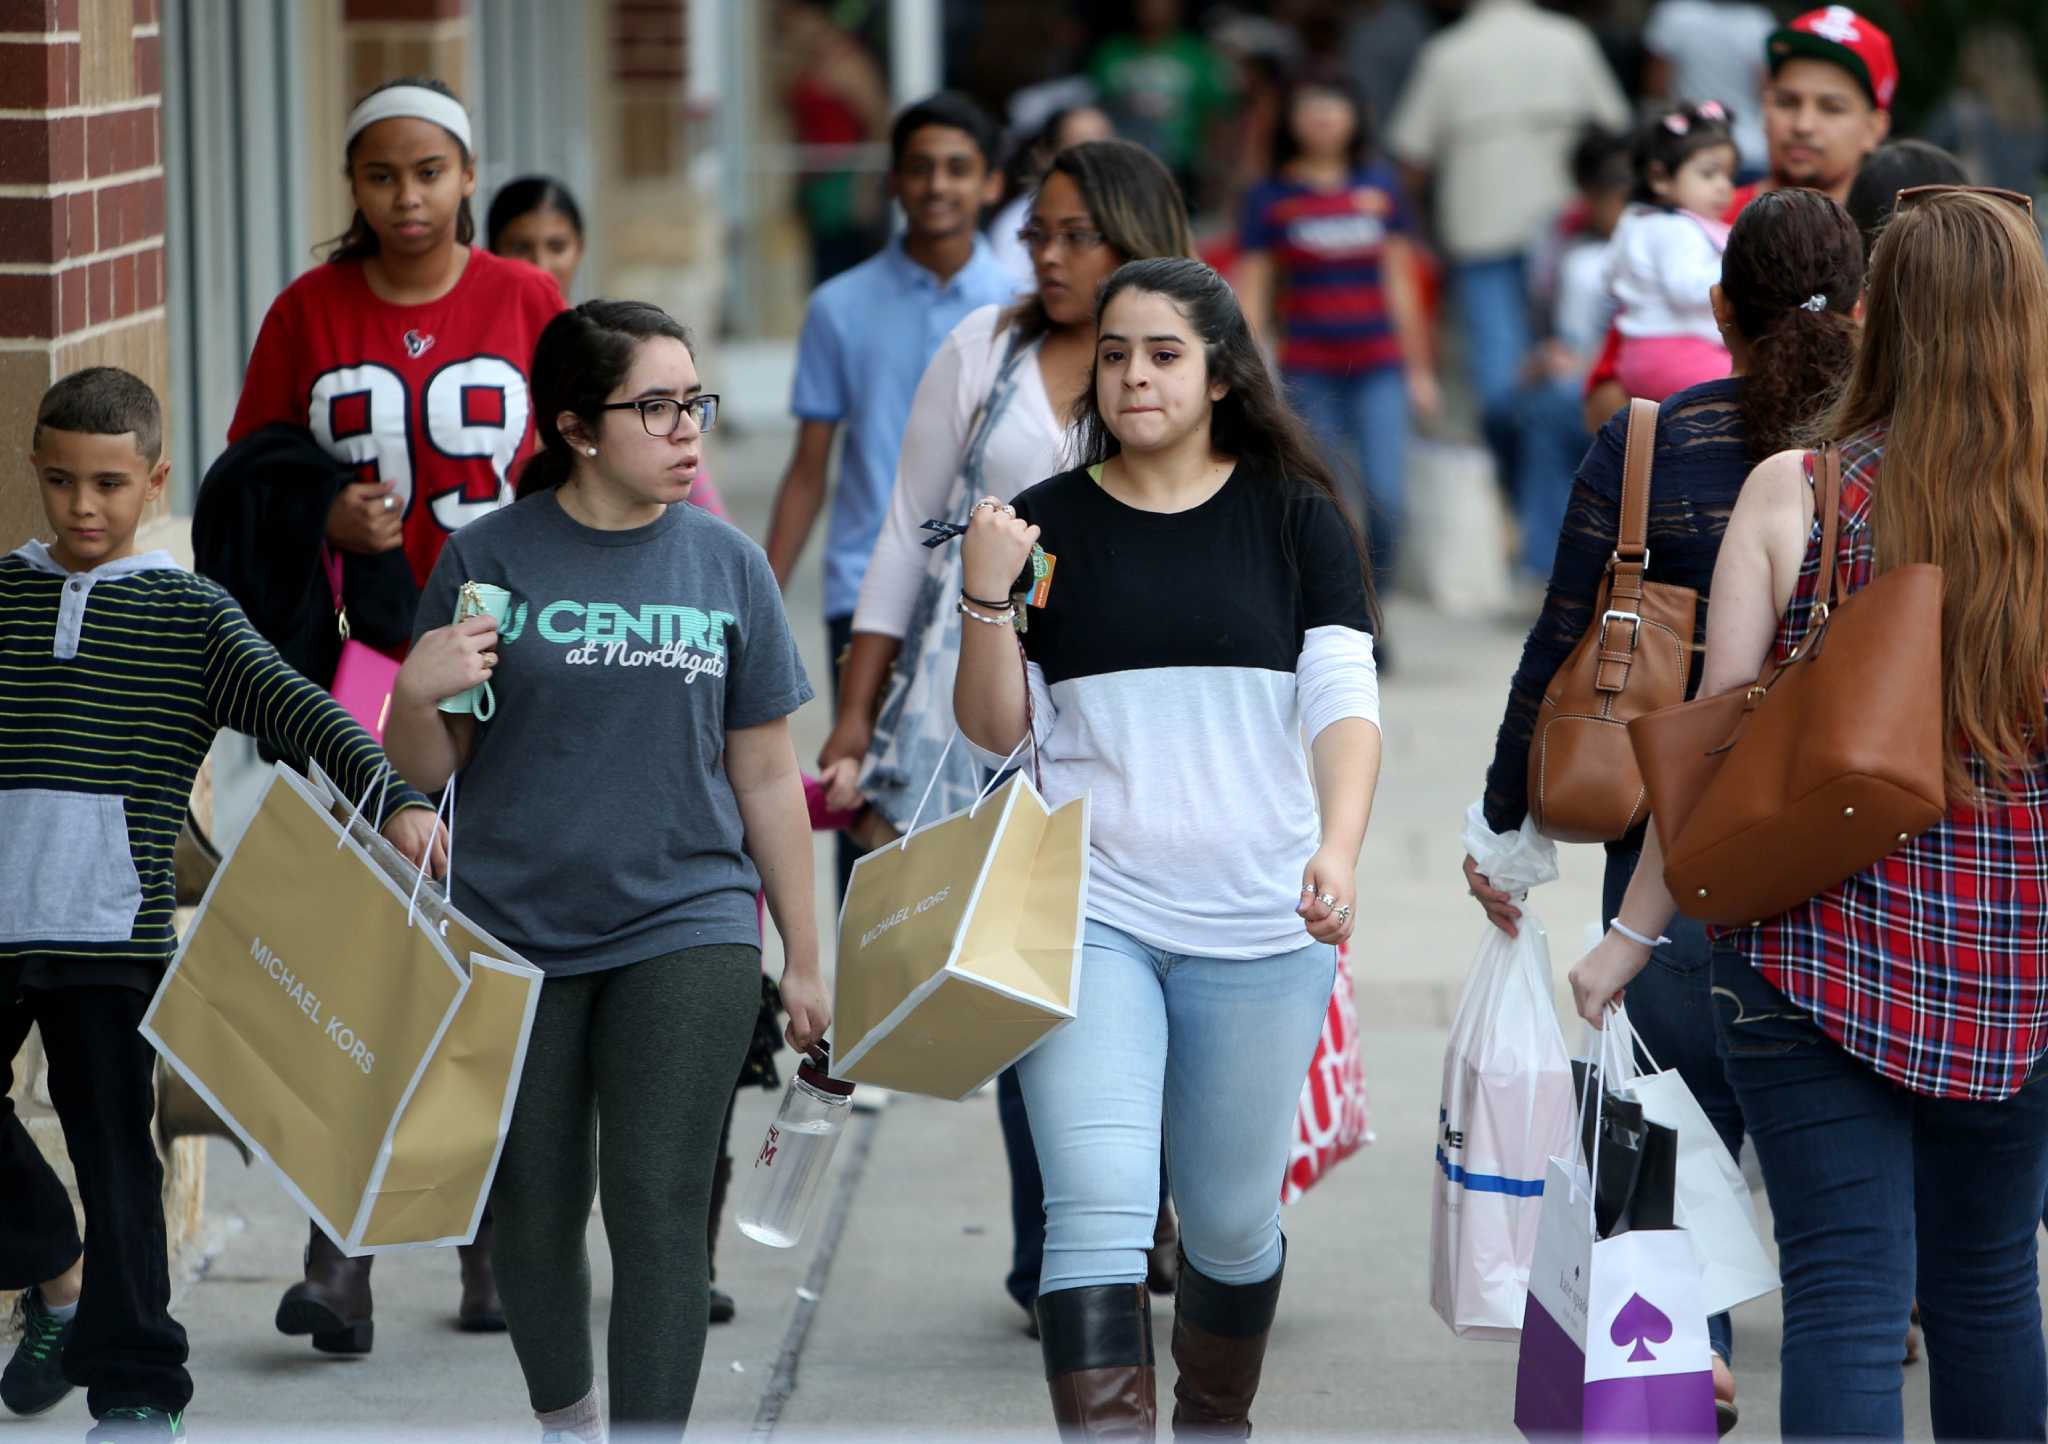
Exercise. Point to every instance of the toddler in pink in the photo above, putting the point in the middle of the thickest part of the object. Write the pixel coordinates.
(1665, 259)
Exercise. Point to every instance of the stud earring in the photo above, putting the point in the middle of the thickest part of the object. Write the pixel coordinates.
(590, 451)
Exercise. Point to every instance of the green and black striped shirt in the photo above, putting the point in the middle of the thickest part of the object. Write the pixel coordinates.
(113, 683)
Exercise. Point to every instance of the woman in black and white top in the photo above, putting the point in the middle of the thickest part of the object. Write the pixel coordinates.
(1194, 603)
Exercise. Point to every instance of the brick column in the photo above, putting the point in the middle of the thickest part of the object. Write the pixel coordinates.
(81, 208)
(81, 284)
(385, 39)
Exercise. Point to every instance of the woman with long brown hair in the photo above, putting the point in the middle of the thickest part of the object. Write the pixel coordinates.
(1209, 615)
(1885, 1037)
(992, 414)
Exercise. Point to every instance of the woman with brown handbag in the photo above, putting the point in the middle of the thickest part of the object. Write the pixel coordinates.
(1885, 1037)
(1788, 246)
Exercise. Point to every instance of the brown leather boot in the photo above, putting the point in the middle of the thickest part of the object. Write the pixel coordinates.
(1099, 1363)
(479, 1312)
(1162, 1260)
(332, 1303)
(1219, 1346)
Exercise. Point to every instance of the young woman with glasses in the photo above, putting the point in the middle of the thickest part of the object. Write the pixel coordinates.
(992, 415)
(632, 790)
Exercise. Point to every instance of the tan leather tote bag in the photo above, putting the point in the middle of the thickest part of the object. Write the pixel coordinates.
(1769, 795)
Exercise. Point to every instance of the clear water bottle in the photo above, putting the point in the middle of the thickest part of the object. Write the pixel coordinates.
(791, 1166)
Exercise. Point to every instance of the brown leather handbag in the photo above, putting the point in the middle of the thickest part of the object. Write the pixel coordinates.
(1769, 795)
(1633, 659)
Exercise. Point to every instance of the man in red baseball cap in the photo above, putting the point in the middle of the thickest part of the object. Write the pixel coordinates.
(1827, 104)
(1828, 101)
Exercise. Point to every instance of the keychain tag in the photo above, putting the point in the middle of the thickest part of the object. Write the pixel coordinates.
(1042, 564)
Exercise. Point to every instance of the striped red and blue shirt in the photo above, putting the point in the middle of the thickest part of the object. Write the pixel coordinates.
(1329, 252)
(1932, 965)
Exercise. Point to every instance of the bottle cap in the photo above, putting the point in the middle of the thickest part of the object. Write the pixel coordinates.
(816, 1070)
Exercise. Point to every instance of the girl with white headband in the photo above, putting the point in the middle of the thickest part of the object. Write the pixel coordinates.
(407, 357)
(407, 353)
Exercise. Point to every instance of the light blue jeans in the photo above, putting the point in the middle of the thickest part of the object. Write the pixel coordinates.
(1363, 421)
(1213, 1049)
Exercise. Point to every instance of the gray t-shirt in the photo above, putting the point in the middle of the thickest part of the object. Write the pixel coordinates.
(595, 826)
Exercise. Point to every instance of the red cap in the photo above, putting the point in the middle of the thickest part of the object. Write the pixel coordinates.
(1840, 36)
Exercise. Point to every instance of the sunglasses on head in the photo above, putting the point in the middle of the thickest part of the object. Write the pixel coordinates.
(1914, 195)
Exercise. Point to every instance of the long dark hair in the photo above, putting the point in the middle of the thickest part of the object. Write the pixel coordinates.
(359, 242)
(580, 359)
(523, 197)
(1789, 246)
(1326, 80)
(1134, 202)
(1252, 423)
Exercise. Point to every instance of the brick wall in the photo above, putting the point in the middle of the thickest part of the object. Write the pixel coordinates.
(81, 210)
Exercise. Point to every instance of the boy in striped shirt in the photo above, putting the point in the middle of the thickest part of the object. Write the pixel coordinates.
(117, 667)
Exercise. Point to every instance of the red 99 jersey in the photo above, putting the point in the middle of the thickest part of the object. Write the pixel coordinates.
(432, 399)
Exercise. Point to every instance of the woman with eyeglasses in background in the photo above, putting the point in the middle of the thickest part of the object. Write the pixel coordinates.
(993, 415)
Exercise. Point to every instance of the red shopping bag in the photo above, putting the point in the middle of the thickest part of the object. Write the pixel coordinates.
(1333, 1120)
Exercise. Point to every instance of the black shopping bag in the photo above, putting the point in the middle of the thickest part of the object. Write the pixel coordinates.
(1634, 1162)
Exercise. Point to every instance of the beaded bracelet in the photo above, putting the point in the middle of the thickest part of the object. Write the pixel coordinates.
(1006, 619)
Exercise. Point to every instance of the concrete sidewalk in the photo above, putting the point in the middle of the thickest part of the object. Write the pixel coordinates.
(903, 1330)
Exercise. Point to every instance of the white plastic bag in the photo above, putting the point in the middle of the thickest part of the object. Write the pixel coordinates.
(1506, 1109)
(1712, 1202)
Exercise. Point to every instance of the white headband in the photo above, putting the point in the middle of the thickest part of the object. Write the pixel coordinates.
(410, 102)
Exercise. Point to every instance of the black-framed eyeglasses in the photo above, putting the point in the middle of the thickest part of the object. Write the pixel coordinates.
(661, 415)
(1034, 237)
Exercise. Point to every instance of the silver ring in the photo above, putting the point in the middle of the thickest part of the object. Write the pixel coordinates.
(391, 503)
(1327, 899)
(1345, 912)
(988, 502)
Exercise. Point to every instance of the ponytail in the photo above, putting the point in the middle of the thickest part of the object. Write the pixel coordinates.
(583, 356)
(1795, 370)
(1792, 275)
(547, 468)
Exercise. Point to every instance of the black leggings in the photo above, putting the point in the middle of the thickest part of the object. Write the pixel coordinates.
(644, 1056)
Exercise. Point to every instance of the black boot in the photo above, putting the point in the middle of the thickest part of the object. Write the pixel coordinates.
(722, 1306)
(1219, 1346)
(479, 1312)
(1099, 1363)
(332, 1303)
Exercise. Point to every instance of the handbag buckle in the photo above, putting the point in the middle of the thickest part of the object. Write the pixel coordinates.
(1635, 620)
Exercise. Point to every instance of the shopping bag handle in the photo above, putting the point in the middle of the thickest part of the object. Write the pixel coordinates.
(939, 771)
(1595, 1099)
(447, 804)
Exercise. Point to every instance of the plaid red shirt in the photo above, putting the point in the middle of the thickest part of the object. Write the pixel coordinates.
(1931, 966)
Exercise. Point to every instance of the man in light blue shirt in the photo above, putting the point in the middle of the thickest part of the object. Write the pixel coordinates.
(868, 335)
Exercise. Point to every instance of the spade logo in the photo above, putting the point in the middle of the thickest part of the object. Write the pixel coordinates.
(1642, 1324)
